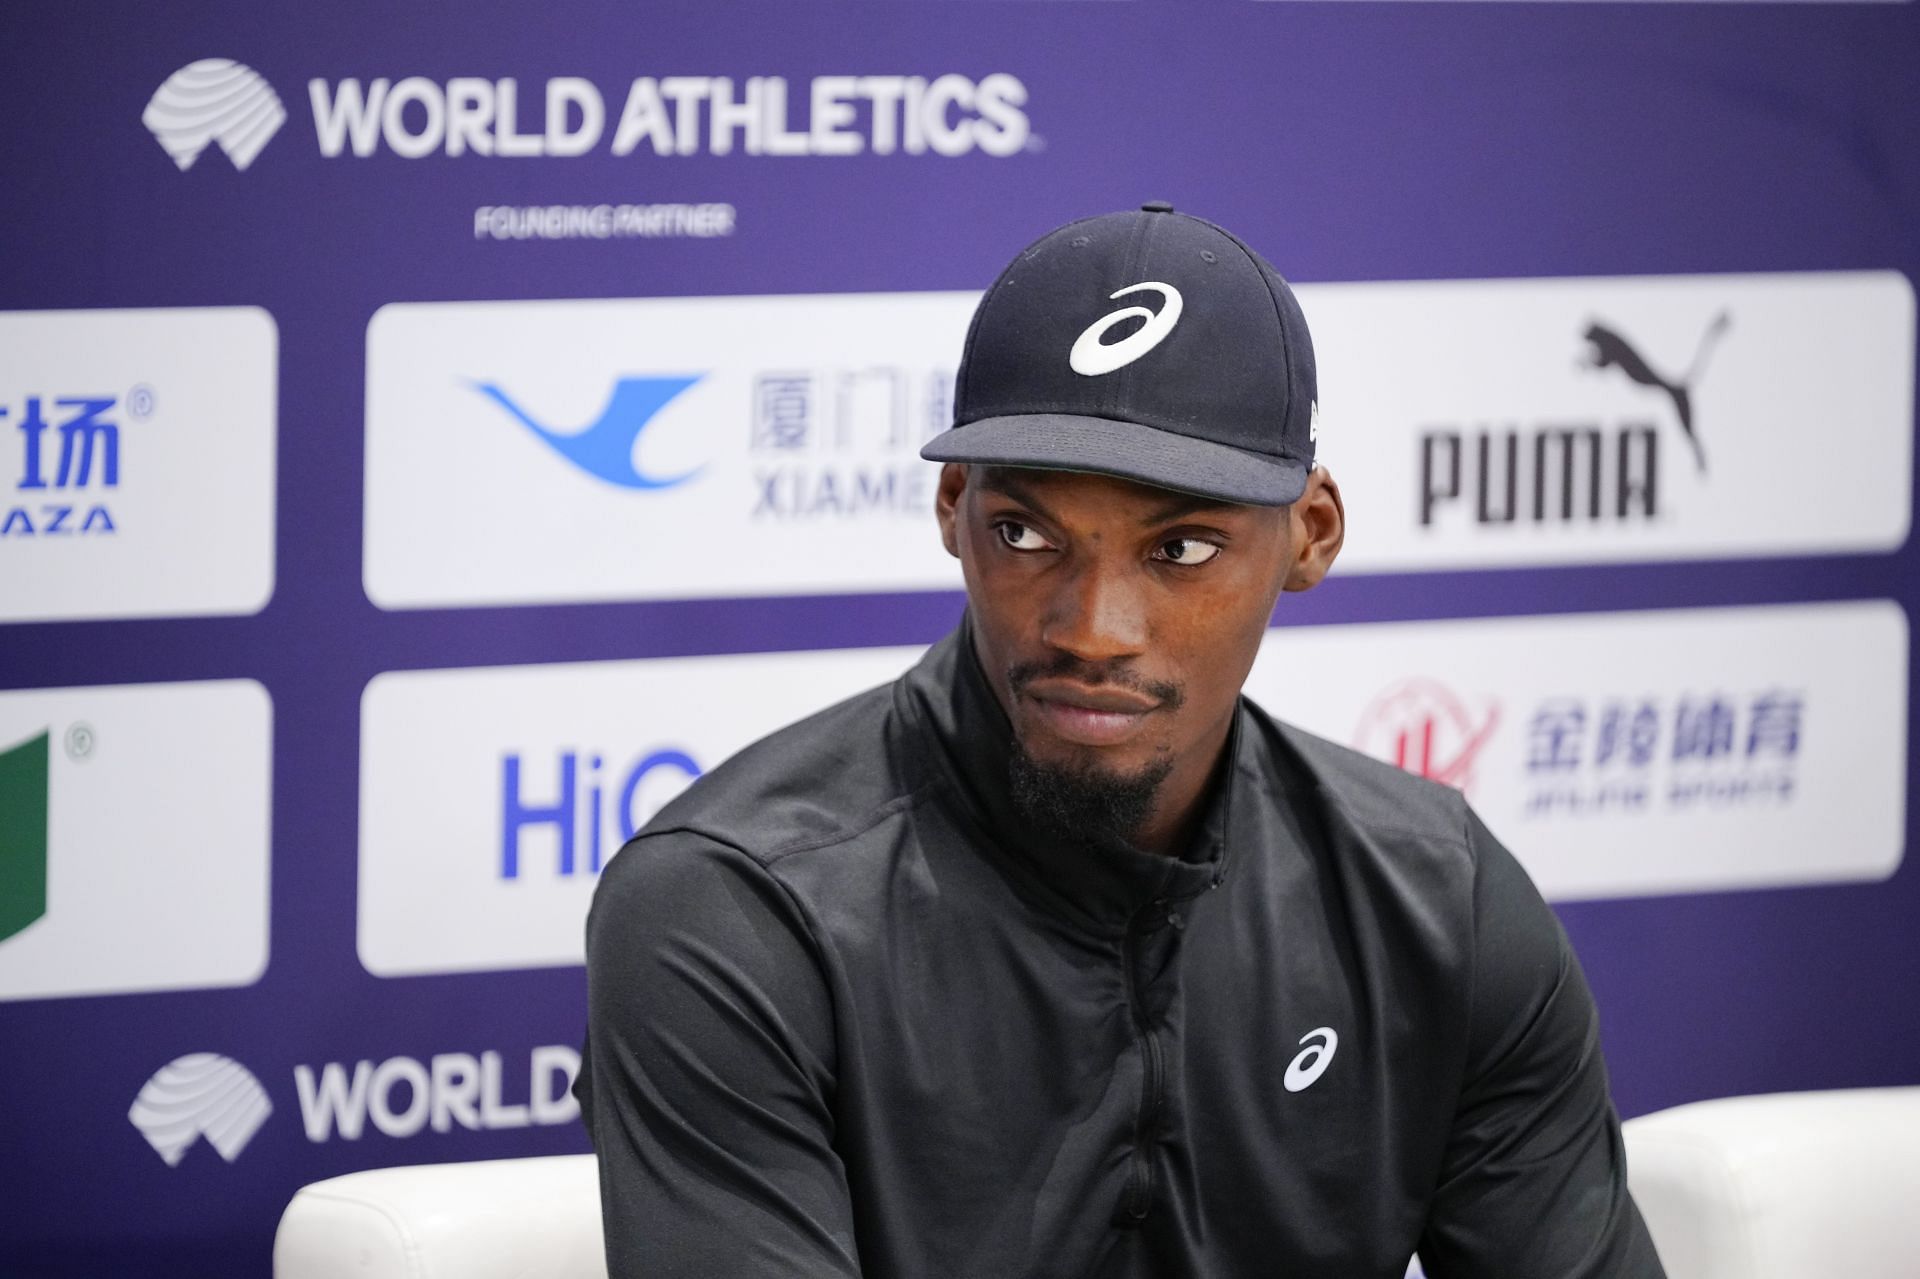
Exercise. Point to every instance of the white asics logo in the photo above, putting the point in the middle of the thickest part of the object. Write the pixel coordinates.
(1311, 1062)
(1090, 357)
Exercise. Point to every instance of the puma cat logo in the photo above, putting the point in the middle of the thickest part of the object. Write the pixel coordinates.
(1610, 349)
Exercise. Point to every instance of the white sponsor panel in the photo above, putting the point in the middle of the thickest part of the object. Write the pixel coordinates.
(528, 452)
(1630, 754)
(136, 462)
(525, 452)
(135, 850)
(1559, 421)
(490, 798)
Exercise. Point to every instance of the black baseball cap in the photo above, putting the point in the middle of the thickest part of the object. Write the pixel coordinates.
(1150, 345)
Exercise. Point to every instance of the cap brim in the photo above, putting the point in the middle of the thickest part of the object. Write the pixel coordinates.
(1107, 446)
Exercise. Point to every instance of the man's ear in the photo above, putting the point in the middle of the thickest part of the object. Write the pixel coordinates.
(946, 504)
(1319, 527)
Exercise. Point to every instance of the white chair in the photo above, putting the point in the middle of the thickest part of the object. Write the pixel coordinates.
(497, 1219)
(1821, 1185)
(1813, 1185)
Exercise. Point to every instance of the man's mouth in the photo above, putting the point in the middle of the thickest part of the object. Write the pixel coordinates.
(1104, 716)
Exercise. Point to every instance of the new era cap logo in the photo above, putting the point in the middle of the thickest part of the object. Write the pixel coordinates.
(200, 1095)
(1091, 357)
(214, 100)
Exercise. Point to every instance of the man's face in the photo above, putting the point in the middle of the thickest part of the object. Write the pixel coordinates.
(1116, 621)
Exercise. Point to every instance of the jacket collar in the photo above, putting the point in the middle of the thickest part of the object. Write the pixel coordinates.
(967, 742)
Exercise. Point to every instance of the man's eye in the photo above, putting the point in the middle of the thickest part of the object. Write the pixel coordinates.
(1187, 551)
(1020, 537)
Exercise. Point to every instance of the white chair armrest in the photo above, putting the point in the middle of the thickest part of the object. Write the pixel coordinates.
(496, 1219)
(1783, 1186)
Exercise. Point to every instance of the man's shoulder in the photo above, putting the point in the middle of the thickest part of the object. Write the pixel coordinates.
(1367, 793)
(816, 781)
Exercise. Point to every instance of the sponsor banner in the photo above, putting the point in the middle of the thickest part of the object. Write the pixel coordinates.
(490, 798)
(532, 452)
(134, 850)
(1509, 422)
(133, 443)
(225, 106)
(205, 1095)
(1631, 754)
(525, 452)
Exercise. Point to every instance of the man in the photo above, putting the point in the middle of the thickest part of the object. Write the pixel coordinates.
(1059, 957)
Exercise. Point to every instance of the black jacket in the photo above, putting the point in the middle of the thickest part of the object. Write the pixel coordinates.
(848, 1017)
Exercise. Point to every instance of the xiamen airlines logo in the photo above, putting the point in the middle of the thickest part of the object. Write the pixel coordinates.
(1612, 350)
(200, 1095)
(605, 449)
(1091, 356)
(23, 835)
(214, 101)
(1312, 1061)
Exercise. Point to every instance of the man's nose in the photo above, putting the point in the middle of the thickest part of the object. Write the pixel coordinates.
(1097, 614)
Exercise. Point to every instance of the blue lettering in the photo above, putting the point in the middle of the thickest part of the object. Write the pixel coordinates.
(77, 436)
(565, 814)
(515, 815)
(659, 759)
(769, 502)
(874, 492)
(55, 520)
(32, 427)
(826, 494)
(593, 817)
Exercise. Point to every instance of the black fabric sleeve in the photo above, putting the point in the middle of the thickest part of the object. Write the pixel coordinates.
(1534, 1184)
(707, 1081)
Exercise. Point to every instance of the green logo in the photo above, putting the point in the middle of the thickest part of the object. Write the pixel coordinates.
(23, 835)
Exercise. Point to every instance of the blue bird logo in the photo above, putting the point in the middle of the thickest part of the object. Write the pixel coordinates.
(605, 449)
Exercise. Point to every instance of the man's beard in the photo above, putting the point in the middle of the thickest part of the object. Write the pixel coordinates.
(1083, 804)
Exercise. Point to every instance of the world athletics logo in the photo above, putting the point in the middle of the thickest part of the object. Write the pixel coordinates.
(200, 1095)
(214, 100)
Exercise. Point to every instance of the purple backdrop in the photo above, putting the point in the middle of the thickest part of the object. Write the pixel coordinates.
(1360, 142)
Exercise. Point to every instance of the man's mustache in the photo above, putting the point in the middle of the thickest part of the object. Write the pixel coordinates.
(1094, 675)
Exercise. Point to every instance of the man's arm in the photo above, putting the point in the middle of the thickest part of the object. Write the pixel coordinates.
(708, 1075)
(1535, 1180)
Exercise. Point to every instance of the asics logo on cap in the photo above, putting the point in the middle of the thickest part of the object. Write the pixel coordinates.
(1091, 357)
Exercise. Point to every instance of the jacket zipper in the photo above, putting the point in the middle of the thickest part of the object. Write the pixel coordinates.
(1139, 1197)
